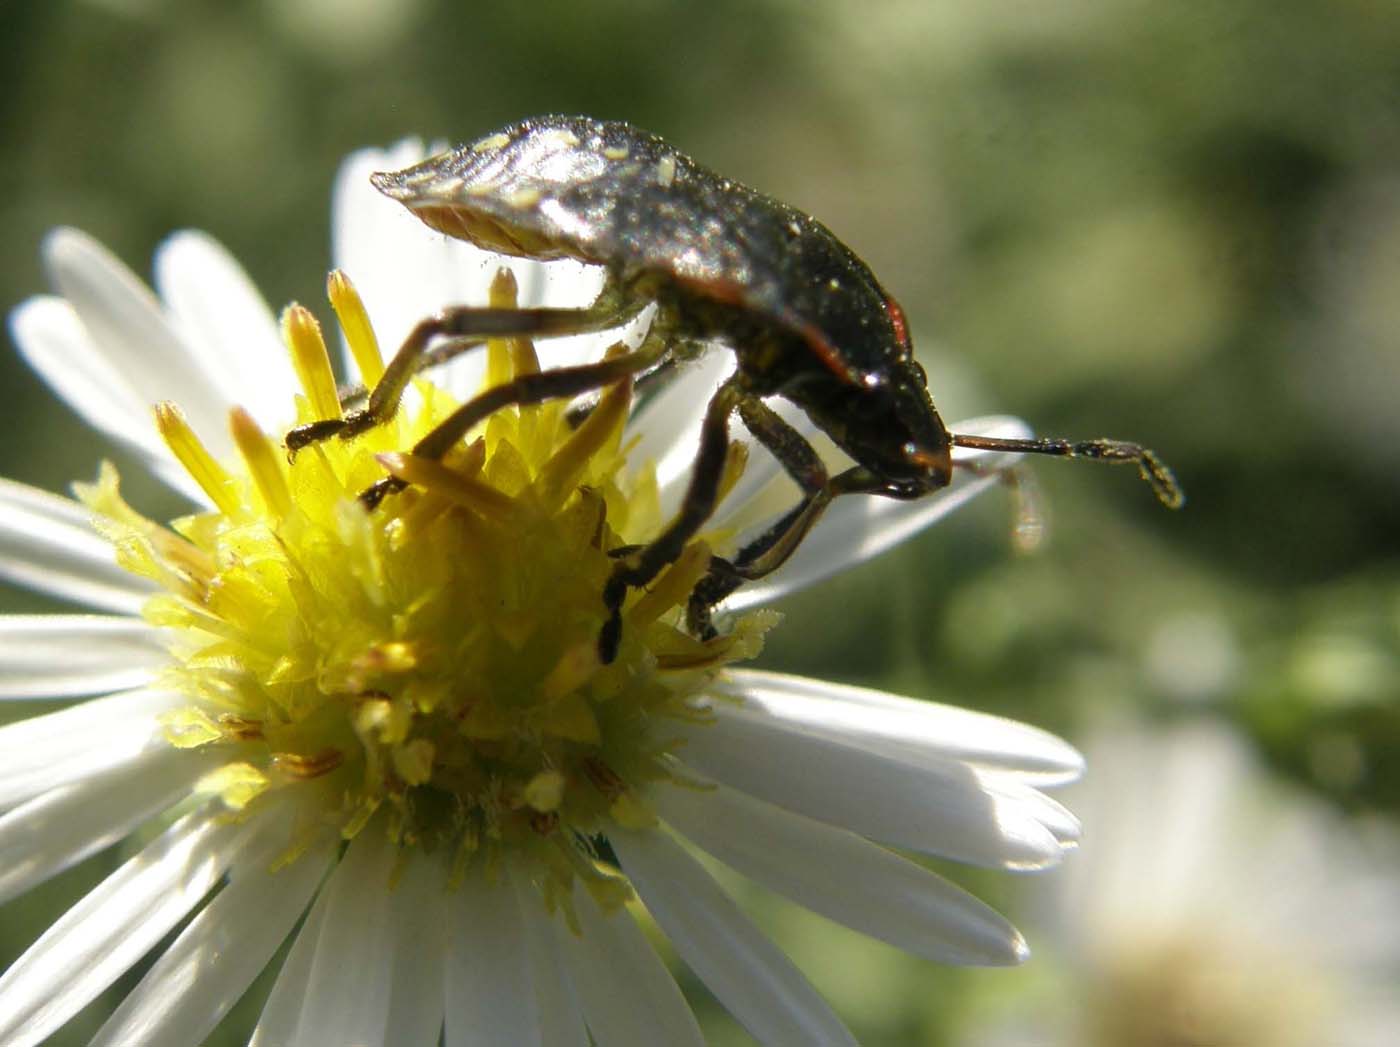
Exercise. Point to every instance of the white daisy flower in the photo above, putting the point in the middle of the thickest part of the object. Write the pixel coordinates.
(395, 723)
(1212, 906)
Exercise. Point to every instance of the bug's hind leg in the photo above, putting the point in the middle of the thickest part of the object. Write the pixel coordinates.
(465, 328)
(559, 383)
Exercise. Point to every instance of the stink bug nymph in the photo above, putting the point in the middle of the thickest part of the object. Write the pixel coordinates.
(804, 316)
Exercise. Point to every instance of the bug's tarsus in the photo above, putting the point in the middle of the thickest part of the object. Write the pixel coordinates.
(376, 492)
(1151, 468)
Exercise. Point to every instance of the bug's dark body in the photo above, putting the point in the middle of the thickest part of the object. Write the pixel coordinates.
(805, 316)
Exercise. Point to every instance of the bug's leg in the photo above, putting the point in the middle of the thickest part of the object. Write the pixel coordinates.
(557, 384)
(1150, 467)
(646, 563)
(654, 375)
(1028, 512)
(771, 549)
(466, 327)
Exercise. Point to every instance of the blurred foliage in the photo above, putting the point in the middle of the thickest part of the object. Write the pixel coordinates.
(1177, 223)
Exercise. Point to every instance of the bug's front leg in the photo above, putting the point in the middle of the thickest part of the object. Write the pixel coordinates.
(773, 547)
(769, 550)
(641, 566)
(465, 328)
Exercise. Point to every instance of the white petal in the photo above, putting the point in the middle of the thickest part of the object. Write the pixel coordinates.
(61, 827)
(487, 979)
(1052, 814)
(559, 1014)
(277, 1026)
(748, 973)
(403, 270)
(56, 344)
(68, 655)
(49, 751)
(47, 543)
(214, 960)
(935, 806)
(906, 726)
(417, 912)
(766, 492)
(570, 285)
(667, 426)
(347, 991)
(842, 876)
(125, 322)
(628, 996)
(112, 927)
(227, 325)
(504, 981)
(861, 527)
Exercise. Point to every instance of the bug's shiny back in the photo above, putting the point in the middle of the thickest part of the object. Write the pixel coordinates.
(807, 318)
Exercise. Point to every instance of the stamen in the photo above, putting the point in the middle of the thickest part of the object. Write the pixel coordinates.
(237, 784)
(463, 490)
(673, 588)
(560, 474)
(311, 361)
(354, 322)
(736, 460)
(520, 352)
(573, 669)
(263, 461)
(191, 453)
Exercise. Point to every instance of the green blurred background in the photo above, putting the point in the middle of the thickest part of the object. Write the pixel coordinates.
(1175, 223)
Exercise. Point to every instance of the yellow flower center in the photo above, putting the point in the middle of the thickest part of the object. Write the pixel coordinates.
(432, 662)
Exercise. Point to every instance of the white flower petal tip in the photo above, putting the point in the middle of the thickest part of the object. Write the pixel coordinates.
(923, 800)
(910, 727)
(124, 320)
(47, 544)
(227, 324)
(843, 877)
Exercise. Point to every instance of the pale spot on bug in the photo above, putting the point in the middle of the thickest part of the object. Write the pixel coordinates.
(491, 144)
(568, 223)
(616, 152)
(523, 197)
(666, 171)
(558, 135)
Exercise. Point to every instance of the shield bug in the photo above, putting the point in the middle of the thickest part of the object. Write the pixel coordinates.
(804, 316)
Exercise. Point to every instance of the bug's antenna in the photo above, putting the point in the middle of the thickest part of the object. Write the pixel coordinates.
(1150, 467)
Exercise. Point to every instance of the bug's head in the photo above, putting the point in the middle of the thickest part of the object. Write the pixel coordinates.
(888, 424)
